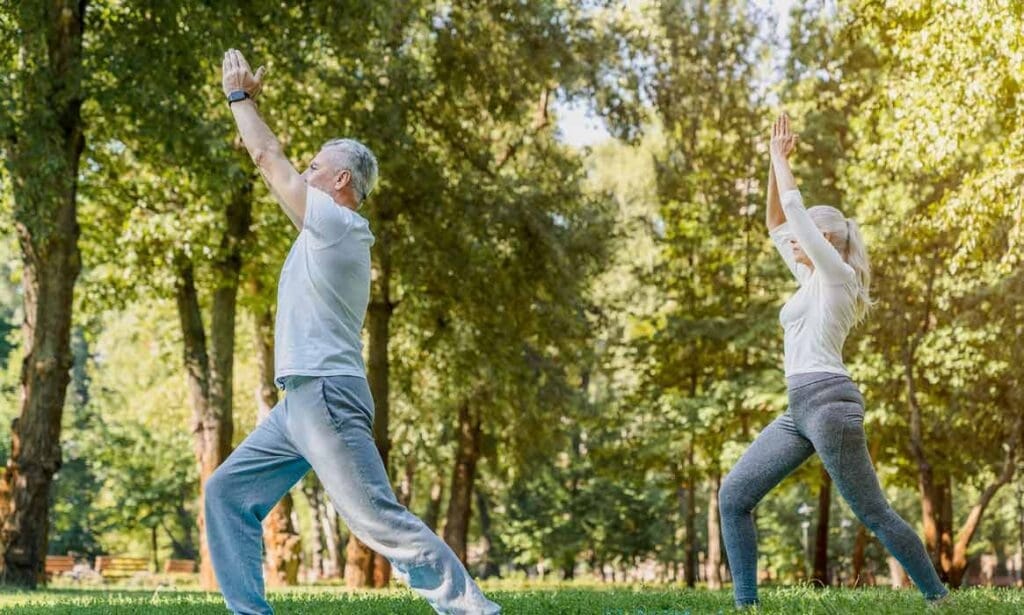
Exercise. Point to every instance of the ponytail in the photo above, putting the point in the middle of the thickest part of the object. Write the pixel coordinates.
(848, 241)
(857, 257)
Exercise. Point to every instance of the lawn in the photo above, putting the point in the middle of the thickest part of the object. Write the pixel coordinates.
(526, 600)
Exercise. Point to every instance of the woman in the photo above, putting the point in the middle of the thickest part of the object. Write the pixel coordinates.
(826, 253)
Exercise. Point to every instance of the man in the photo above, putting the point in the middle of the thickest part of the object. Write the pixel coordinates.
(326, 419)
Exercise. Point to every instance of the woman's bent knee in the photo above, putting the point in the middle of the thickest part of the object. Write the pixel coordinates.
(731, 499)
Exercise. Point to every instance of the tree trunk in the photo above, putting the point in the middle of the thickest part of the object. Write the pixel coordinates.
(404, 493)
(897, 575)
(944, 495)
(456, 527)
(283, 545)
(951, 561)
(1020, 533)
(820, 574)
(713, 564)
(283, 542)
(860, 541)
(205, 437)
(433, 513)
(358, 564)
(210, 375)
(958, 565)
(691, 537)
(328, 521)
(925, 482)
(690, 503)
(489, 568)
(186, 547)
(859, 546)
(153, 548)
(43, 151)
(364, 568)
(313, 492)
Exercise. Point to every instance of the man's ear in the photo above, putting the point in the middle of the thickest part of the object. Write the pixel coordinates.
(344, 178)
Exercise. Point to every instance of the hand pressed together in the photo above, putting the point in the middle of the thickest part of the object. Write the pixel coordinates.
(238, 76)
(783, 138)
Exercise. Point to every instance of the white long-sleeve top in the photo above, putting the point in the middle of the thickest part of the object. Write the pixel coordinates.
(819, 315)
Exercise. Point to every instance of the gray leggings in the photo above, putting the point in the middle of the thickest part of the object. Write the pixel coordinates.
(825, 416)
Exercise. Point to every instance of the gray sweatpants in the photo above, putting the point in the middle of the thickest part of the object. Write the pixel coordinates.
(325, 423)
(825, 416)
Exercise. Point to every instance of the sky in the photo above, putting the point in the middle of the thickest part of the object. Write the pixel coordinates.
(579, 126)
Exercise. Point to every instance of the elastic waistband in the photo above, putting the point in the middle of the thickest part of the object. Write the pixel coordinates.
(801, 380)
(294, 381)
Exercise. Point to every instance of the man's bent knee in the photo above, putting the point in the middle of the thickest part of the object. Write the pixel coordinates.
(217, 491)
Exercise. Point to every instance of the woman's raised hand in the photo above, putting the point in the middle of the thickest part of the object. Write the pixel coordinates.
(783, 139)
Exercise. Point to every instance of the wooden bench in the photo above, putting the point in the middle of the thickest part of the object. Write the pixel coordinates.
(180, 566)
(115, 566)
(57, 564)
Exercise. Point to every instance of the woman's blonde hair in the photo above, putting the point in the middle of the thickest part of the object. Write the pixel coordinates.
(846, 237)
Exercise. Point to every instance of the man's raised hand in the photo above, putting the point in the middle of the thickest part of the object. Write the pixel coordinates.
(238, 76)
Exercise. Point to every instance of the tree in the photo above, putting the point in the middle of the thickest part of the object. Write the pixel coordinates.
(182, 225)
(936, 169)
(707, 350)
(282, 540)
(448, 146)
(41, 131)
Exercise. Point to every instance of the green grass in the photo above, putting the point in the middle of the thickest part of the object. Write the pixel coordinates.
(527, 600)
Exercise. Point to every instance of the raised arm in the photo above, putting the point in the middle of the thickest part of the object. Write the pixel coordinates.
(778, 230)
(284, 181)
(822, 253)
(775, 216)
(819, 250)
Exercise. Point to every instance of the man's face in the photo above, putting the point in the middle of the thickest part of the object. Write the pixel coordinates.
(325, 174)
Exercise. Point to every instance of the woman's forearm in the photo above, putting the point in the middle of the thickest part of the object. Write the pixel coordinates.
(784, 180)
(774, 215)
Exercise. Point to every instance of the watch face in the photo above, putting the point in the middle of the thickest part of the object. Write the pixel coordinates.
(236, 96)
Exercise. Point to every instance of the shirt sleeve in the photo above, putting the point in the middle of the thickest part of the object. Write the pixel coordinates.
(819, 250)
(325, 221)
(780, 237)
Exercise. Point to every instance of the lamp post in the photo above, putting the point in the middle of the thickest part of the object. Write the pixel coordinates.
(805, 512)
(845, 524)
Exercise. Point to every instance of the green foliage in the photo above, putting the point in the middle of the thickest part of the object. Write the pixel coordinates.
(934, 171)
(128, 465)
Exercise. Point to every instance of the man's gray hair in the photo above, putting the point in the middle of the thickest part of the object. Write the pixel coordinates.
(360, 161)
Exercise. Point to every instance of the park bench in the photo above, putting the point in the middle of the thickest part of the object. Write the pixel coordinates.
(58, 564)
(117, 567)
(180, 566)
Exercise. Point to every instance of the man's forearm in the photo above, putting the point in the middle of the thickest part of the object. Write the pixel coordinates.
(267, 153)
(256, 135)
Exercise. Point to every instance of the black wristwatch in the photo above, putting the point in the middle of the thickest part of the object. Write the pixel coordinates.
(237, 95)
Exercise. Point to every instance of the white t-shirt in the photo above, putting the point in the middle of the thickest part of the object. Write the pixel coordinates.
(323, 293)
(818, 317)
